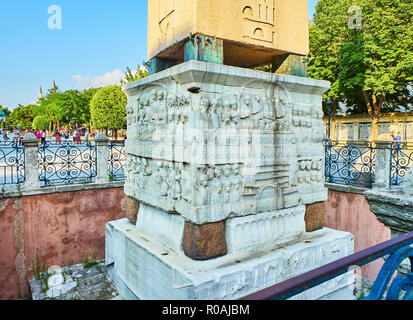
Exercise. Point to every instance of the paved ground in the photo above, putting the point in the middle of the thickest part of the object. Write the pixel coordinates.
(86, 281)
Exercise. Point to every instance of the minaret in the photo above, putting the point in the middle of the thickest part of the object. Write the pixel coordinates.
(40, 95)
(54, 89)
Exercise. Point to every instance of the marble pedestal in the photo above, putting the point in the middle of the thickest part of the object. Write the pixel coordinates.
(222, 162)
(142, 267)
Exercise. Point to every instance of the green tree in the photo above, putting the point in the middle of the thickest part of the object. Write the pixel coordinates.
(48, 108)
(41, 123)
(21, 117)
(108, 109)
(376, 60)
(88, 95)
(71, 107)
(327, 30)
(140, 73)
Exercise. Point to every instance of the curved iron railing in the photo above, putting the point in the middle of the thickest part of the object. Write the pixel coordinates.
(350, 163)
(116, 160)
(67, 163)
(401, 161)
(11, 164)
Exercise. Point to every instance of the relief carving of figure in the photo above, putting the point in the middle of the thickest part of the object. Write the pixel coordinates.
(172, 103)
(186, 186)
(160, 178)
(216, 184)
(227, 183)
(234, 113)
(236, 182)
(130, 114)
(246, 107)
(201, 185)
(147, 171)
(226, 113)
(257, 105)
(214, 110)
(161, 107)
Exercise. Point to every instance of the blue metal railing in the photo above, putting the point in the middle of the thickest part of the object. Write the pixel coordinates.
(398, 248)
(116, 160)
(67, 163)
(401, 161)
(350, 163)
(11, 164)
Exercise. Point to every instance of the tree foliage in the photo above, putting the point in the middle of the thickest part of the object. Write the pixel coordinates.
(21, 117)
(6, 110)
(41, 123)
(370, 65)
(140, 73)
(108, 108)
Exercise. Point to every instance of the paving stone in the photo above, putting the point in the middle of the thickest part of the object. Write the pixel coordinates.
(77, 282)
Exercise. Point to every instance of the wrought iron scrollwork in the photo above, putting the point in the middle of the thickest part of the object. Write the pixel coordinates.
(67, 163)
(350, 164)
(401, 161)
(116, 160)
(11, 164)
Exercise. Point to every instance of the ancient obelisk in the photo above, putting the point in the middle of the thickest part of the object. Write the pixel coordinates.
(224, 173)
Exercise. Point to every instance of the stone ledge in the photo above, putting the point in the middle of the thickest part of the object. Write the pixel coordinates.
(194, 71)
(344, 188)
(60, 189)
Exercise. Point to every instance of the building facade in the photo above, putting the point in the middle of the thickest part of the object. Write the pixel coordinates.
(358, 126)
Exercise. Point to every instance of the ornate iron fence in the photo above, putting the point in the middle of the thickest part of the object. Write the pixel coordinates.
(67, 163)
(350, 163)
(401, 161)
(116, 160)
(11, 164)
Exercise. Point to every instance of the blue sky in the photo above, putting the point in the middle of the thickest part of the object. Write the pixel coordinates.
(98, 40)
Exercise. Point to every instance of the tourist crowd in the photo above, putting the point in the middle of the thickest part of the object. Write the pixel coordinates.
(16, 136)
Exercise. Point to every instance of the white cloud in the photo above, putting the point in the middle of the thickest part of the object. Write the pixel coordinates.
(109, 78)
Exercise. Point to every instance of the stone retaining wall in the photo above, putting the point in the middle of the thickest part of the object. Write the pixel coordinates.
(62, 226)
(348, 210)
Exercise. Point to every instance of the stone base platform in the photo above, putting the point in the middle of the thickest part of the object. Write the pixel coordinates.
(142, 267)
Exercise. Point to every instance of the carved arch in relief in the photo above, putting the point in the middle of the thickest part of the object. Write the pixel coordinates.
(270, 198)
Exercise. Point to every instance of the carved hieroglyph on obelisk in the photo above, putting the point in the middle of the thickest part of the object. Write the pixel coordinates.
(250, 32)
(224, 164)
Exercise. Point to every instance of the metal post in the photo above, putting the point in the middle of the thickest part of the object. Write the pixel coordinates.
(102, 142)
(329, 108)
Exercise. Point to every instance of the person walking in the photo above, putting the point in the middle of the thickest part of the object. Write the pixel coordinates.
(78, 138)
(87, 135)
(43, 137)
(58, 139)
(5, 137)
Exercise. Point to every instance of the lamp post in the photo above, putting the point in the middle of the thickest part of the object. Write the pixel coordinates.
(329, 105)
